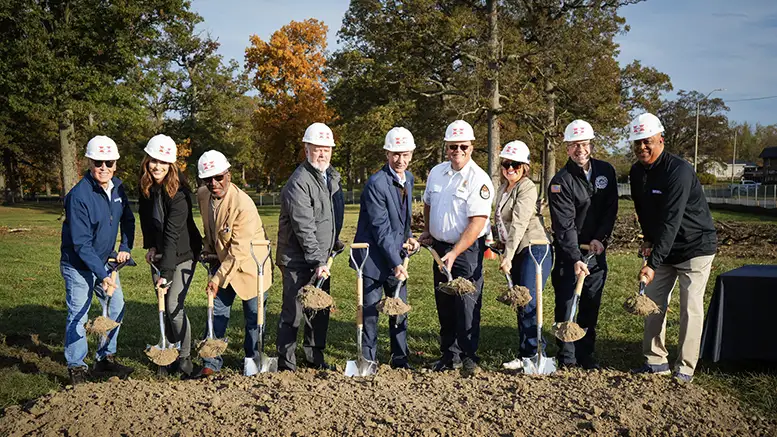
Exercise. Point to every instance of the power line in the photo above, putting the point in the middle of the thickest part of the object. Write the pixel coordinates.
(751, 99)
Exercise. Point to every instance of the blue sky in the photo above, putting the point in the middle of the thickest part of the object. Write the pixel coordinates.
(701, 44)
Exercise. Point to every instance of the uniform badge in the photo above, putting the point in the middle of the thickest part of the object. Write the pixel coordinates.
(601, 182)
(485, 193)
(555, 188)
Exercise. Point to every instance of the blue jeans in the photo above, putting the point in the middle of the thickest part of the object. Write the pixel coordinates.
(79, 286)
(523, 272)
(222, 307)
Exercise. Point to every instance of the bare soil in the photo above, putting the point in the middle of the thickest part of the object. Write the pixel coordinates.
(393, 403)
(393, 306)
(100, 325)
(162, 357)
(212, 347)
(516, 297)
(313, 298)
(568, 331)
(458, 287)
(640, 305)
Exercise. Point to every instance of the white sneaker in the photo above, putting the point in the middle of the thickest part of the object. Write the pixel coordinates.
(514, 364)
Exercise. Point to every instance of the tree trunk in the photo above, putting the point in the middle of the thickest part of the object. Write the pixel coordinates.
(48, 189)
(9, 192)
(549, 143)
(493, 83)
(67, 151)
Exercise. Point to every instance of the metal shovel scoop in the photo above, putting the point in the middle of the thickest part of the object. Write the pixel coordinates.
(398, 302)
(361, 366)
(210, 347)
(539, 364)
(164, 353)
(569, 330)
(261, 363)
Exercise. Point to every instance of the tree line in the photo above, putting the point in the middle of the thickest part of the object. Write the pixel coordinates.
(515, 69)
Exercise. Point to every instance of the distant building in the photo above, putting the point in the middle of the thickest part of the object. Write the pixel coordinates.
(723, 171)
(769, 174)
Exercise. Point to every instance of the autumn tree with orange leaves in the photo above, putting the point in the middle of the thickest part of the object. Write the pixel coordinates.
(288, 72)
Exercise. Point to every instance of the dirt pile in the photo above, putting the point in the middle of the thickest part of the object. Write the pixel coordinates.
(162, 357)
(458, 287)
(100, 325)
(640, 305)
(396, 403)
(568, 331)
(313, 298)
(212, 347)
(516, 297)
(393, 306)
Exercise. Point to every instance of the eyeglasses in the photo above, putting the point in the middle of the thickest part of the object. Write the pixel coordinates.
(507, 164)
(217, 178)
(581, 145)
(108, 164)
(454, 147)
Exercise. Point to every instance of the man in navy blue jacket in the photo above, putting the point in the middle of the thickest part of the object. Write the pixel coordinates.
(384, 223)
(94, 209)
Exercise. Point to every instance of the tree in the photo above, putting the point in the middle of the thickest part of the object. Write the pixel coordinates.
(288, 72)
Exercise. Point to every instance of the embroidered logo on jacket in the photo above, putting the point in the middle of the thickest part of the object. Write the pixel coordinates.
(601, 182)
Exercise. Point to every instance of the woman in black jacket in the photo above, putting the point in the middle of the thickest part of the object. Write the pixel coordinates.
(165, 209)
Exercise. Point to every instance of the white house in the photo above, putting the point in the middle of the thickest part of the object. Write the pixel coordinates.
(723, 171)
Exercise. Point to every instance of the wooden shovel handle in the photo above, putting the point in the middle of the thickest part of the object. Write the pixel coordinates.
(210, 300)
(264, 243)
(160, 292)
(586, 247)
(359, 301)
(579, 284)
(436, 257)
(643, 278)
(109, 291)
(360, 245)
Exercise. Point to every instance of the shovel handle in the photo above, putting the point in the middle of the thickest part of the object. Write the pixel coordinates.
(160, 292)
(210, 300)
(439, 262)
(360, 245)
(263, 243)
(579, 284)
(109, 291)
(586, 247)
(359, 301)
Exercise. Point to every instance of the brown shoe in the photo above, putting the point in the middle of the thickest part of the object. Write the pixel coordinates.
(206, 372)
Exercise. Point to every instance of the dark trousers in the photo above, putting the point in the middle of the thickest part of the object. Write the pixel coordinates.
(292, 314)
(460, 315)
(373, 292)
(564, 280)
(524, 272)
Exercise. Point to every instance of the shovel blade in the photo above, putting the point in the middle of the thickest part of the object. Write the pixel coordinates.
(250, 367)
(361, 368)
(267, 364)
(546, 365)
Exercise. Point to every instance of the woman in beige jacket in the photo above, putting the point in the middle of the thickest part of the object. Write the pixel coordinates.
(517, 223)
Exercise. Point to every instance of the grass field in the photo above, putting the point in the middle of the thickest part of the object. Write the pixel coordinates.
(32, 302)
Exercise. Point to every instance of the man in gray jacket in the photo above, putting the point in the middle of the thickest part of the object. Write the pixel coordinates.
(306, 236)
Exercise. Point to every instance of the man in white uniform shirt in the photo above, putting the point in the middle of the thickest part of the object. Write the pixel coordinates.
(457, 206)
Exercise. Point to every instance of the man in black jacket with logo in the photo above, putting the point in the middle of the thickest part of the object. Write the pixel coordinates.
(680, 242)
(583, 201)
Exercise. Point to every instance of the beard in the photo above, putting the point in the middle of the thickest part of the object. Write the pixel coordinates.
(318, 166)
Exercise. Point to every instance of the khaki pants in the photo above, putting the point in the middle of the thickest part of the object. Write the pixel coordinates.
(693, 275)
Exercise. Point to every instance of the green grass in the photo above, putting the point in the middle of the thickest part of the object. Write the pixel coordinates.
(32, 301)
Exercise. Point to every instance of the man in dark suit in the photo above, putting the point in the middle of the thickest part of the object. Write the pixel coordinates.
(384, 223)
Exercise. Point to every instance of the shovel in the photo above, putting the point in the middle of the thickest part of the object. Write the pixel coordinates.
(641, 305)
(398, 303)
(210, 347)
(106, 322)
(539, 364)
(261, 363)
(515, 297)
(310, 288)
(454, 287)
(164, 353)
(569, 330)
(362, 366)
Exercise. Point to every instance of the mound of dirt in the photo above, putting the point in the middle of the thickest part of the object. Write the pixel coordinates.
(100, 325)
(640, 305)
(212, 347)
(162, 357)
(458, 287)
(568, 331)
(313, 298)
(516, 297)
(330, 404)
(393, 306)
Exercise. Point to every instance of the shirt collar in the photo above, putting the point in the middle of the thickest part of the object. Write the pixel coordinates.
(450, 171)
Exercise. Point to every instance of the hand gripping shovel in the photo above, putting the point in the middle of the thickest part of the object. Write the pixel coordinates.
(515, 297)
(569, 330)
(362, 366)
(210, 347)
(641, 305)
(164, 353)
(454, 287)
(312, 297)
(539, 364)
(394, 306)
(103, 324)
(261, 363)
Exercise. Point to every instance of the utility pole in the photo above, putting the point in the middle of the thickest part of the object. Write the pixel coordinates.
(734, 158)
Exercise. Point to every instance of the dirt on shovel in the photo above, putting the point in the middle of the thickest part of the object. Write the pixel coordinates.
(393, 306)
(458, 287)
(641, 305)
(313, 298)
(100, 326)
(162, 357)
(516, 297)
(212, 348)
(568, 331)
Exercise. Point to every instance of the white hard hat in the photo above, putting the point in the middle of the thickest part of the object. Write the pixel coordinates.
(578, 130)
(102, 148)
(516, 151)
(459, 130)
(319, 134)
(644, 126)
(162, 148)
(212, 163)
(399, 139)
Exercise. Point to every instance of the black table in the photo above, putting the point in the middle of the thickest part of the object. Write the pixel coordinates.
(741, 319)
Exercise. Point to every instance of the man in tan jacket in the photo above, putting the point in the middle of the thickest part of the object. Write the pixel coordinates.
(231, 223)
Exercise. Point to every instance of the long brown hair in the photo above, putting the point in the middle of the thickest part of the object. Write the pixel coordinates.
(171, 182)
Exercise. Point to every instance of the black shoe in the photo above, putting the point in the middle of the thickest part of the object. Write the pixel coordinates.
(162, 371)
(590, 365)
(78, 375)
(185, 366)
(442, 366)
(469, 367)
(108, 366)
(322, 366)
(566, 366)
(404, 366)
